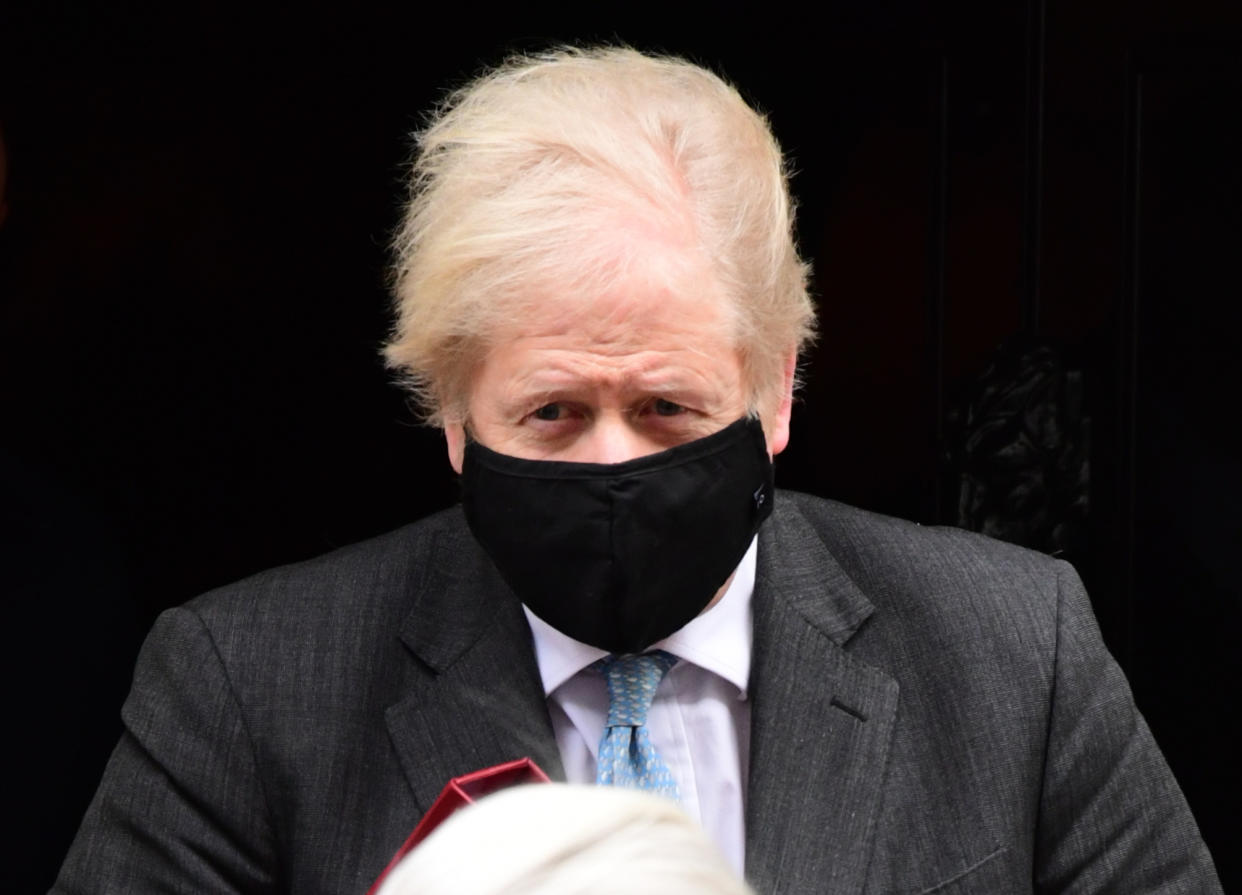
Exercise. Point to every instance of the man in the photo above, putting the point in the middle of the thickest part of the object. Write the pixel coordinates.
(600, 302)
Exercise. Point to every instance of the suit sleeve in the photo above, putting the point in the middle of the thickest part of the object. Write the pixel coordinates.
(1112, 818)
(181, 806)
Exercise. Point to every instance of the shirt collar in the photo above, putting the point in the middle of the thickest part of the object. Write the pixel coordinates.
(718, 641)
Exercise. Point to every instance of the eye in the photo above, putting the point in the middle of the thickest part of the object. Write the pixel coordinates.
(548, 413)
(667, 408)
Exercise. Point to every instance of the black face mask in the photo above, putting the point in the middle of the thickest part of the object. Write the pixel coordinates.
(621, 555)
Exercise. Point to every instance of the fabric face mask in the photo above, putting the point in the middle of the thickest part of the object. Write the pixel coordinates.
(621, 555)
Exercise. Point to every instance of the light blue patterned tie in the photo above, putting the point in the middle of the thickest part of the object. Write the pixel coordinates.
(626, 756)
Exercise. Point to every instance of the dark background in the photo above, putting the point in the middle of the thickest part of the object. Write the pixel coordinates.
(192, 276)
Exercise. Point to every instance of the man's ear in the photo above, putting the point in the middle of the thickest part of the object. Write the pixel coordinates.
(455, 436)
(778, 426)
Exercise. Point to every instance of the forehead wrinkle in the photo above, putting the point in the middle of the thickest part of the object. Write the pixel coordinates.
(650, 371)
(623, 325)
(653, 282)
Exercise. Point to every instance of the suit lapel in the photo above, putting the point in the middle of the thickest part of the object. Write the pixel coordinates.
(475, 698)
(821, 721)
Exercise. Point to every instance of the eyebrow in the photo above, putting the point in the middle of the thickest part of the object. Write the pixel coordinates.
(521, 399)
(549, 385)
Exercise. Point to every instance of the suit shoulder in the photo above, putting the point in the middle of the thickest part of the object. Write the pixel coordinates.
(862, 539)
(931, 577)
(367, 582)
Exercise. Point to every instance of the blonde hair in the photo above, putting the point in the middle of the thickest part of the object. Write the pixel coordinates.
(521, 184)
(560, 839)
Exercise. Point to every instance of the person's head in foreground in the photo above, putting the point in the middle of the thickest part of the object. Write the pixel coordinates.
(597, 265)
(554, 839)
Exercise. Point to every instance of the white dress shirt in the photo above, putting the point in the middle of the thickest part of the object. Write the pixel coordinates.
(699, 720)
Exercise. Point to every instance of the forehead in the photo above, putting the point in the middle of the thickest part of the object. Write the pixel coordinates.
(634, 283)
(637, 335)
(629, 317)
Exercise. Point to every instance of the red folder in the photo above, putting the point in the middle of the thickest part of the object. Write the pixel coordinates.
(462, 791)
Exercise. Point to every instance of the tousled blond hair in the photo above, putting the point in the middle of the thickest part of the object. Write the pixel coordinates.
(535, 178)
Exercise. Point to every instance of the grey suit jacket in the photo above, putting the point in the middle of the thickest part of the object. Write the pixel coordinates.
(931, 712)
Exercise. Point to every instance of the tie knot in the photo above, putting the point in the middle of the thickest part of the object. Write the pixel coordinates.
(632, 683)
